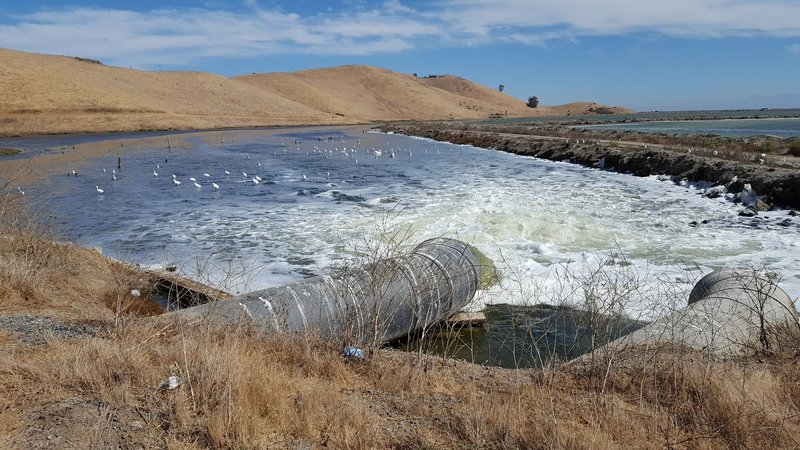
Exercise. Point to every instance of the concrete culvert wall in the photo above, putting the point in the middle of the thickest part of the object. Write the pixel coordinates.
(374, 303)
(730, 313)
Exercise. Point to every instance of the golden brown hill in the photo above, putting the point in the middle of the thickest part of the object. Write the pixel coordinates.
(480, 97)
(369, 93)
(59, 94)
(511, 105)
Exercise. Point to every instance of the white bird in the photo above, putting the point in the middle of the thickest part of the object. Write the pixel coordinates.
(216, 186)
(104, 169)
(245, 174)
(99, 191)
(173, 176)
(227, 173)
(113, 177)
(177, 183)
(259, 164)
(158, 166)
(112, 171)
(155, 173)
(257, 178)
(256, 181)
(305, 178)
(206, 175)
(74, 172)
(192, 179)
(197, 185)
(20, 190)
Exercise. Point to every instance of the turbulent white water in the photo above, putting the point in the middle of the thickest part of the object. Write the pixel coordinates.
(553, 228)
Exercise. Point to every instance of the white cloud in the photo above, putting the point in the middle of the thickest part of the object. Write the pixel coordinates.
(153, 37)
(674, 17)
(180, 35)
(794, 49)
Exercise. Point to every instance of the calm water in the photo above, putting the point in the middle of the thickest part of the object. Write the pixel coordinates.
(781, 127)
(524, 336)
(658, 115)
(325, 196)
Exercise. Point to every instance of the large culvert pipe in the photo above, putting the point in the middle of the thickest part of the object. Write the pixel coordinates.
(374, 303)
(730, 313)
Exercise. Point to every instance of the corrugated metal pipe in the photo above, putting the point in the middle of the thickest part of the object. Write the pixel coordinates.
(374, 303)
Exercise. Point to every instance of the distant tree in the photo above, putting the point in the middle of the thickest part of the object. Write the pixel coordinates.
(533, 102)
(500, 88)
(415, 75)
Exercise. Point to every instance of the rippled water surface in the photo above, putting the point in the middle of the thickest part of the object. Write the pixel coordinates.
(778, 127)
(324, 193)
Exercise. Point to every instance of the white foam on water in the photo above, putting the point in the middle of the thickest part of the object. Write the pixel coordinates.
(551, 227)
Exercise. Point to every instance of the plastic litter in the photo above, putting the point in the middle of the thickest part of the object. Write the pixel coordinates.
(173, 380)
(353, 352)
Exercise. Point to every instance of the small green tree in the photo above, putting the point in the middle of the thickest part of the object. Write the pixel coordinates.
(501, 87)
(533, 102)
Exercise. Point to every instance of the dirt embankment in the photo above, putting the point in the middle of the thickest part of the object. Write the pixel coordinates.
(779, 184)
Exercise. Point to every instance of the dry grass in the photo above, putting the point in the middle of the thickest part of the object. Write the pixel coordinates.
(241, 389)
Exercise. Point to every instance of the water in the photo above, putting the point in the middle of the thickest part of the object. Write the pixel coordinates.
(777, 127)
(554, 229)
(655, 115)
(524, 336)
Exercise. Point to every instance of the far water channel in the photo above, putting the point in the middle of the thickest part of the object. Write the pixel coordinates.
(561, 234)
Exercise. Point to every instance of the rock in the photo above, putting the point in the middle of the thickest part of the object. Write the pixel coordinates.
(792, 213)
(762, 205)
(748, 213)
(785, 222)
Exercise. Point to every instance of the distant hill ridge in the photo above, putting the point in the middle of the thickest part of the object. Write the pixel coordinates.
(61, 94)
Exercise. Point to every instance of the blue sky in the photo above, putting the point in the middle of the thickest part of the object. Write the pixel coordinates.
(644, 54)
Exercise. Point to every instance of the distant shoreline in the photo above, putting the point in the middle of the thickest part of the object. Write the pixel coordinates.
(779, 185)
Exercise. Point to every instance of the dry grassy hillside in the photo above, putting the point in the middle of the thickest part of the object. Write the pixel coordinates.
(370, 93)
(57, 94)
(479, 94)
(60, 94)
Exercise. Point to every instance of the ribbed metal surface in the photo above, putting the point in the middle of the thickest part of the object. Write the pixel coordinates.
(730, 313)
(374, 303)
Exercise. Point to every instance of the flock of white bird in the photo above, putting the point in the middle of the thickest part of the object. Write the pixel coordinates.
(348, 152)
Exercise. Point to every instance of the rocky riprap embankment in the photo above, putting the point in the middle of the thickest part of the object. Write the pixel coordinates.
(779, 186)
